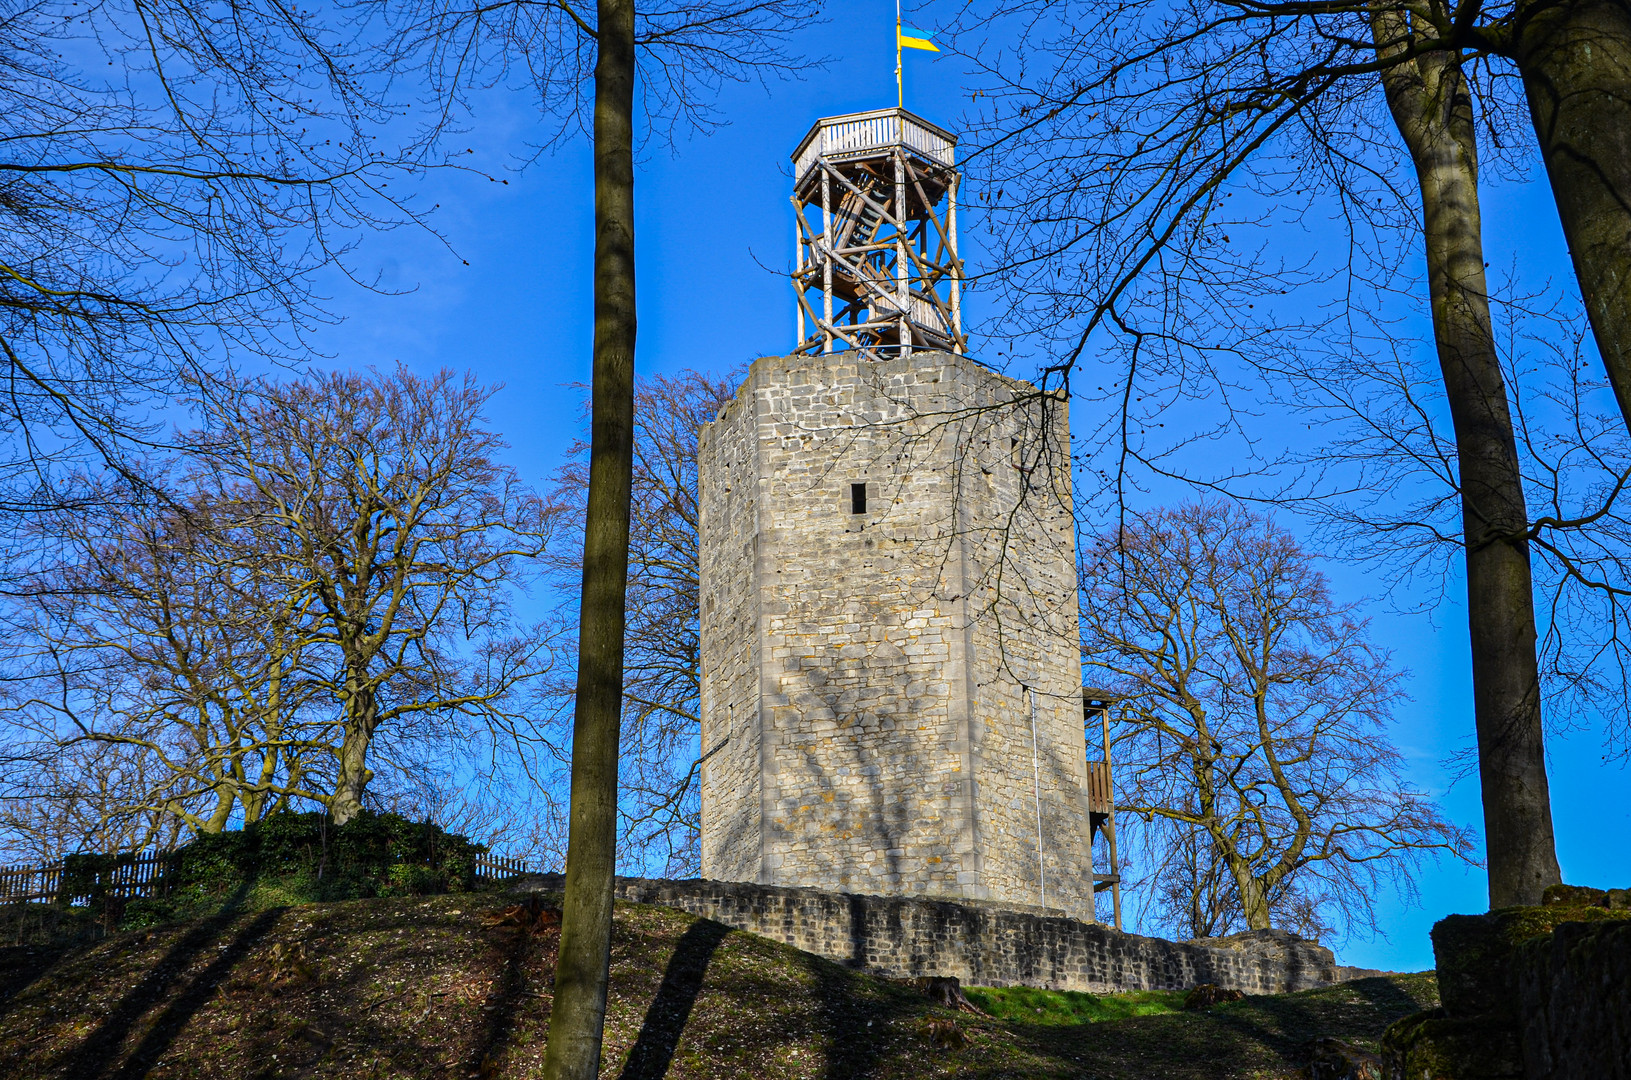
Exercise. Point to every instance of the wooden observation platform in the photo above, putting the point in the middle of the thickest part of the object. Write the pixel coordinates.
(876, 268)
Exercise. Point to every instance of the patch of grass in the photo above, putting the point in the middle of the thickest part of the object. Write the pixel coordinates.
(1030, 1005)
(428, 988)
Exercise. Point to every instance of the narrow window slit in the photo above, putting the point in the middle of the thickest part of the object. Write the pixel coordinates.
(857, 498)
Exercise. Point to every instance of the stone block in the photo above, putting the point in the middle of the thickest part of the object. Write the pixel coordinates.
(1574, 990)
(1476, 955)
(1431, 1046)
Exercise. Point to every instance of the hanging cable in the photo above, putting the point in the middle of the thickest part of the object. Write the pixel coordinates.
(1036, 789)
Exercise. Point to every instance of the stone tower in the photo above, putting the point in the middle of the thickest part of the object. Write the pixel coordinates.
(891, 676)
(888, 583)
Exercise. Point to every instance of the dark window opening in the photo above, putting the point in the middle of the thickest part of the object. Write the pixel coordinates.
(857, 498)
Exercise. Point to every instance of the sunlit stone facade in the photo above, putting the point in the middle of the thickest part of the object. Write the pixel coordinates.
(888, 583)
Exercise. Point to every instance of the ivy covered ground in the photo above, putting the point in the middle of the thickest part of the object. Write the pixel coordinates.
(457, 986)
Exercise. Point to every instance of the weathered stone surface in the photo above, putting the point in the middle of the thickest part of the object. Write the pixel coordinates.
(1476, 955)
(1542, 992)
(1431, 1046)
(1575, 993)
(866, 677)
(1574, 895)
(984, 944)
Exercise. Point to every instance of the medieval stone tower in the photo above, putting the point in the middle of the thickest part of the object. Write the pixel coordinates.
(891, 686)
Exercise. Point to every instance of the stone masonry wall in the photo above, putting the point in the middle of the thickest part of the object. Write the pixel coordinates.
(1574, 990)
(1526, 993)
(1019, 576)
(986, 945)
(731, 766)
(867, 678)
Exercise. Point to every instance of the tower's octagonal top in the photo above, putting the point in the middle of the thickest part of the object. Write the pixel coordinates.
(868, 134)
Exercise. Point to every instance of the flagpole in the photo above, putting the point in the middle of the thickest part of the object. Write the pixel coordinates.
(900, 87)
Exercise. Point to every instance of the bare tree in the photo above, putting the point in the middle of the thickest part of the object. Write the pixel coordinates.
(329, 586)
(170, 182)
(689, 48)
(1571, 60)
(1252, 736)
(1145, 160)
(377, 504)
(1191, 894)
(1432, 106)
(577, 1017)
(160, 670)
(1574, 57)
(57, 801)
(657, 805)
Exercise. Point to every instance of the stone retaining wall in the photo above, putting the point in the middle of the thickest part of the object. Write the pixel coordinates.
(987, 945)
(1526, 993)
(1575, 990)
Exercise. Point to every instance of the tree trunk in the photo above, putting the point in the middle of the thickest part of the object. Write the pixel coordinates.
(362, 714)
(1433, 110)
(1254, 901)
(579, 1012)
(1575, 59)
(225, 800)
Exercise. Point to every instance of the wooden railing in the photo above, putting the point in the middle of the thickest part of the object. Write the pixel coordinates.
(141, 875)
(494, 868)
(860, 132)
(20, 884)
(1100, 793)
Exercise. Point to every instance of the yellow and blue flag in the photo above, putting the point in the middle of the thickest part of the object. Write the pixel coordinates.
(908, 38)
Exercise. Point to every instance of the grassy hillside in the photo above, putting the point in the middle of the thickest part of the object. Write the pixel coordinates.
(445, 987)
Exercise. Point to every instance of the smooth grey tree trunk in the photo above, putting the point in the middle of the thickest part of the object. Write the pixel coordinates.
(578, 1016)
(1430, 103)
(1575, 59)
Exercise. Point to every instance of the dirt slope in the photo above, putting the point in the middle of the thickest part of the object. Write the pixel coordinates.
(442, 987)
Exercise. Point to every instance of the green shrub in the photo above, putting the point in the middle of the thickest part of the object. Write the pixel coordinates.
(408, 880)
(367, 856)
(286, 858)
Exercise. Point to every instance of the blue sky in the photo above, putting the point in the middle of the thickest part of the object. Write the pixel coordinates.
(714, 234)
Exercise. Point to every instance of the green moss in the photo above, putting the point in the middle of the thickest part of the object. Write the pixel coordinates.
(1475, 954)
(1574, 896)
(1520, 924)
(1429, 1044)
(1029, 1005)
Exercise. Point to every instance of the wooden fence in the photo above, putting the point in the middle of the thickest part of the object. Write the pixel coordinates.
(19, 884)
(1101, 793)
(147, 875)
(130, 877)
(495, 868)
